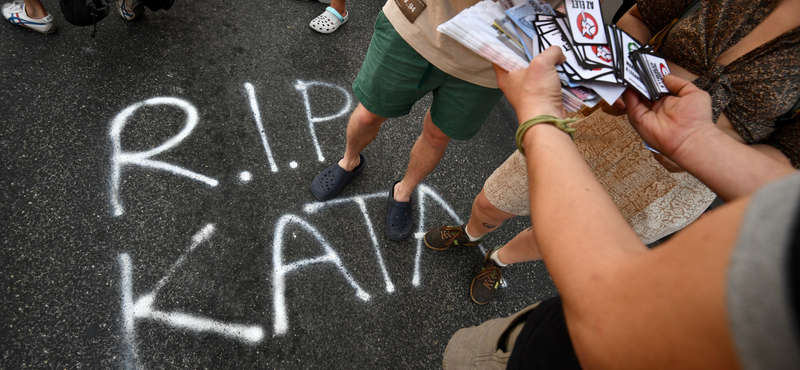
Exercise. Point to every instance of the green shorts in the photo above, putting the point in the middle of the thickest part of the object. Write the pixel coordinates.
(394, 76)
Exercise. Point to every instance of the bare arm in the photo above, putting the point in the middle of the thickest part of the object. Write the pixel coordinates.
(632, 23)
(682, 130)
(626, 307)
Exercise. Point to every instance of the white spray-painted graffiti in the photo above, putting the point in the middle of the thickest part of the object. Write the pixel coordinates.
(142, 308)
(280, 270)
(251, 92)
(303, 88)
(120, 158)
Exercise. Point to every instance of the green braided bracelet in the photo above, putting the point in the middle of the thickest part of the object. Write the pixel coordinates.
(561, 124)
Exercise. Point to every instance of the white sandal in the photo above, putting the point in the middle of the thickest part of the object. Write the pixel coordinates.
(328, 21)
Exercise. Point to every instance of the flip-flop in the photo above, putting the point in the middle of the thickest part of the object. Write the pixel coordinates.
(328, 21)
(400, 218)
(327, 184)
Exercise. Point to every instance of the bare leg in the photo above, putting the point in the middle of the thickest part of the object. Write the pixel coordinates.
(425, 155)
(485, 217)
(362, 129)
(522, 248)
(339, 6)
(35, 9)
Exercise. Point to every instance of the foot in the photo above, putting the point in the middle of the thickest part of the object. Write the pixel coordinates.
(329, 21)
(485, 284)
(444, 237)
(16, 13)
(400, 219)
(349, 166)
(130, 9)
(328, 183)
(401, 194)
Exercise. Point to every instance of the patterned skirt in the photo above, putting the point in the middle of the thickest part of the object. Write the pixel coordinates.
(654, 201)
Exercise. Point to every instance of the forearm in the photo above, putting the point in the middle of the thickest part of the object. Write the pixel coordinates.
(633, 24)
(729, 168)
(580, 232)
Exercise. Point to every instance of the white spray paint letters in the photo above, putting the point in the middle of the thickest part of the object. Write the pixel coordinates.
(251, 92)
(359, 200)
(120, 158)
(142, 308)
(303, 87)
(280, 270)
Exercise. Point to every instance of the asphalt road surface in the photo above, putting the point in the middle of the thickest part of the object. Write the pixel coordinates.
(156, 210)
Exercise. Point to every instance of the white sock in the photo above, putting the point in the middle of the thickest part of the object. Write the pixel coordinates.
(496, 258)
(471, 238)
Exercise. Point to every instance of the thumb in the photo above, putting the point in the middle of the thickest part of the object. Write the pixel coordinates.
(678, 86)
(499, 71)
(552, 56)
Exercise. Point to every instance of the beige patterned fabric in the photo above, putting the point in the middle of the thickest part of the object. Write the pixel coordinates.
(654, 201)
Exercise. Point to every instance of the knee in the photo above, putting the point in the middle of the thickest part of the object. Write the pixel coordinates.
(435, 137)
(365, 117)
(485, 207)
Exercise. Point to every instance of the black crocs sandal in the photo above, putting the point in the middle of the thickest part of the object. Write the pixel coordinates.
(327, 184)
(400, 218)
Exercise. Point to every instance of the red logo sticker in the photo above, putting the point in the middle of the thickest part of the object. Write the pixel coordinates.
(602, 52)
(664, 70)
(587, 25)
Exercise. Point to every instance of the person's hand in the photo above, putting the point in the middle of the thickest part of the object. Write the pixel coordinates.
(534, 90)
(616, 109)
(666, 124)
(668, 164)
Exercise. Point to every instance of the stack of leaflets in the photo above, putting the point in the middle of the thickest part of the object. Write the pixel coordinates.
(601, 61)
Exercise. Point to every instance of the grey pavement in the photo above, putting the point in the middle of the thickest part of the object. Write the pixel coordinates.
(148, 222)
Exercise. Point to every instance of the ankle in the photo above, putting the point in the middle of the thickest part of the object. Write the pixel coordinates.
(470, 235)
(342, 11)
(349, 165)
(400, 193)
(34, 12)
(495, 257)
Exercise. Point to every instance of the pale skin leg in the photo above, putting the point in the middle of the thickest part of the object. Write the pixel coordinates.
(362, 128)
(485, 218)
(424, 157)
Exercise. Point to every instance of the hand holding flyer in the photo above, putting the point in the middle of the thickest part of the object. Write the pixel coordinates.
(603, 60)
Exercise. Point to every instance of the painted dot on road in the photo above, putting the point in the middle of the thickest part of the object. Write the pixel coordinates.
(245, 176)
(293, 164)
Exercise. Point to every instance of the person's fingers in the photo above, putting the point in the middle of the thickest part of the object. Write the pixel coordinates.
(619, 104)
(679, 86)
(633, 104)
(552, 56)
(499, 70)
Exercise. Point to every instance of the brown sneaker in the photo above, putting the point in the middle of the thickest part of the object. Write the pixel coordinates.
(444, 237)
(485, 285)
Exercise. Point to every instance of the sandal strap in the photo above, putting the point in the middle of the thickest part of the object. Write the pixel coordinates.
(334, 12)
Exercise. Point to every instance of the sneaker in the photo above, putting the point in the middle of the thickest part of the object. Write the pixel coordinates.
(15, 13)
(130, 9)
(444, 237)
(484, 286)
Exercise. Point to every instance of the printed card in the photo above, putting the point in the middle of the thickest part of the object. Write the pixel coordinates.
(585, 20)
(631, 77)
(657, 68)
